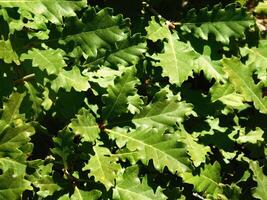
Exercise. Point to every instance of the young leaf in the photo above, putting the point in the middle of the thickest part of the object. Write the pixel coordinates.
(261, 8)
(197, 151)
(157, 31)
(130, 187)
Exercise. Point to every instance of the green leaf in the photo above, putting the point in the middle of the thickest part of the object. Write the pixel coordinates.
(103, 167)
(222, 23)
(211, 69)
(14, 132)
(116, 101)
(36, 101)
(7, 53)
(240, 136)
(127, 52)
(156, 31)
(145, 144)
(96, 34)
(42, 178)
(208, 181)
(196, 150)
(7, 163)
(163, 113)
(129, 187)
(261, 8)
(64, 146)
(85, 195)
(70, 79)
(226, 94)
(10, 110)
(54, 11)
(241, 77)
(49, 59)
(177, 60)
(85, 125)
(12, 187)
(261, 179)
(257, 59)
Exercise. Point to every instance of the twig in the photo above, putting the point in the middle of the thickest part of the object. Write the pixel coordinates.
(23, 79)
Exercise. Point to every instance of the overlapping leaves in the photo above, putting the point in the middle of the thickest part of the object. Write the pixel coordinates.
(122, 116)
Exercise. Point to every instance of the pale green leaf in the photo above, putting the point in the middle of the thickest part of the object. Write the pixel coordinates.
(261, 179)
(156, 31)
(196, 150)
(261, 8)
(103, 167)
(7, 53)
(226, 94)
(85, 125)
(241, 136)
(85, 195)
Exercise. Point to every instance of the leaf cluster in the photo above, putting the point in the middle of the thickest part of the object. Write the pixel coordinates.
(169, 103)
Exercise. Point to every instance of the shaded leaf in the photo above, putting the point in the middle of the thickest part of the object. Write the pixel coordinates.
(129, 187)
(208, 181)
(223, 23)
(241, 77)
(116, 101)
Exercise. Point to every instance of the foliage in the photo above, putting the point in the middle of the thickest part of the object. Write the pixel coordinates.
(169, 103)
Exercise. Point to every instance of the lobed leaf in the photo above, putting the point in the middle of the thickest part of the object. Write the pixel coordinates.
(222, 23)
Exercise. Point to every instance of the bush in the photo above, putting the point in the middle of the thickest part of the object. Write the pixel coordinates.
(166, 101)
